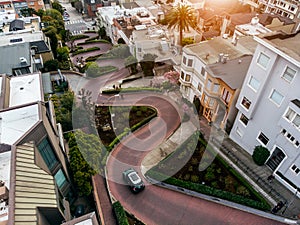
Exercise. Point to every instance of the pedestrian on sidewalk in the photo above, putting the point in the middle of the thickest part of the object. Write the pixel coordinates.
(271, 178)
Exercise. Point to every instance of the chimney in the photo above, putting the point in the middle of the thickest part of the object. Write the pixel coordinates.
(221, 55)
(224, 59)
(255, 20)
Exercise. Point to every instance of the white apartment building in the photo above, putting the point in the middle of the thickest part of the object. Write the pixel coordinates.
(269, 106)
(286, 8)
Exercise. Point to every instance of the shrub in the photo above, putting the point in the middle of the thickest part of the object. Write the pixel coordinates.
(260, 155)
(194, 178)
(85, 50)
(120, 213)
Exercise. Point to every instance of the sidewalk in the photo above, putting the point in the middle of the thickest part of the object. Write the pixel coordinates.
(273, 190)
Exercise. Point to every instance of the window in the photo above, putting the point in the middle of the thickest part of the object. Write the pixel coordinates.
(184, 60)
(263, 138)
(226, 95)
(31, 3)
(182, 75)
(60, 178)
(190, 62)
(208, 85)
(187, 78)
(246, 103)
(263, 60)
(289, 74)
(200, 87)
(276, 97)
(254, 83)
(216, 88)
(295, 169)
(211, 102)
(239, 132)
(290, 114)
(47, 153)
(296, 120)
(244, 119)
(202, 71)
(139, 49)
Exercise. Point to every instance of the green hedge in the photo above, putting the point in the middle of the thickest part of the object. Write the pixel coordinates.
(102, 71)
(85, 50)
(131, 89)
(93, 58)
(79, 36)
(209, 191)
(92, 38)
(120, 213)
(98, 41)
(133, 128)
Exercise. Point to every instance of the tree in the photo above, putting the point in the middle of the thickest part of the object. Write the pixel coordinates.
(187, 41)
(78, 6)
(102, 32)
(63, 54)
(260, 155)
(131, 64)
(26, 12)
(182, 17)
(56, 5)
(51, 65)
(148, 63)
(92, 69)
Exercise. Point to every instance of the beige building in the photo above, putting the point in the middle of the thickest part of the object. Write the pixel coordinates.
(212, 73)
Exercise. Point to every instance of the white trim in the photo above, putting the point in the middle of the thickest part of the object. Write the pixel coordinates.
(260, 65)
(277, 51)
(285, 68)
(278, 105)
(260, 132)
(248, 83)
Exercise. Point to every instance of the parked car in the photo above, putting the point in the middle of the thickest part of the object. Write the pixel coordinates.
(134, 181)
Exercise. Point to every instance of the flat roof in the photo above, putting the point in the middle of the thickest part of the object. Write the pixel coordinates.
(25, 89)
(5, 158)
(208, 51)
(286, 43)
(14, 123)
(10, 57)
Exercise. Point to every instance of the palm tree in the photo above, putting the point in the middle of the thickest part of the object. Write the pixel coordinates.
(182, 17)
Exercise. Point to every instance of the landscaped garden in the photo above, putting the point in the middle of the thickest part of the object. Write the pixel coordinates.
(213, 176)
(125, 119)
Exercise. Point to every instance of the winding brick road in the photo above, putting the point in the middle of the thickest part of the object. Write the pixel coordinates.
(157, 205)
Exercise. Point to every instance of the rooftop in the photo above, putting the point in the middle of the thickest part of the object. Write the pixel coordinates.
(286, 43)
(11, 55)
(208, 51)
(14, 123)
(232, 72)
(252, 28)
(25, 89)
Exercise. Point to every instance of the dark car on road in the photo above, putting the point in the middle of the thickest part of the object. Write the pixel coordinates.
(134, 181)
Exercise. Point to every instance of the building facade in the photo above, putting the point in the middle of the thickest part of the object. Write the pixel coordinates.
(212, 73)
(268, 106)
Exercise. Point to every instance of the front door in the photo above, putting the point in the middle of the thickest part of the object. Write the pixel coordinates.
(275, 159)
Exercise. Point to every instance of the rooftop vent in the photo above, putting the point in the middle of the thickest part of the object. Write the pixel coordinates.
(23, 60)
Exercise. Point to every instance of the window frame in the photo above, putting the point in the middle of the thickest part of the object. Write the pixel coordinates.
(190, 62)
(264, 136)
(284, 72)
(247, 100)
(272, 100)
(251, 86)
(295, 169)
(245, 123)
(258, 60)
